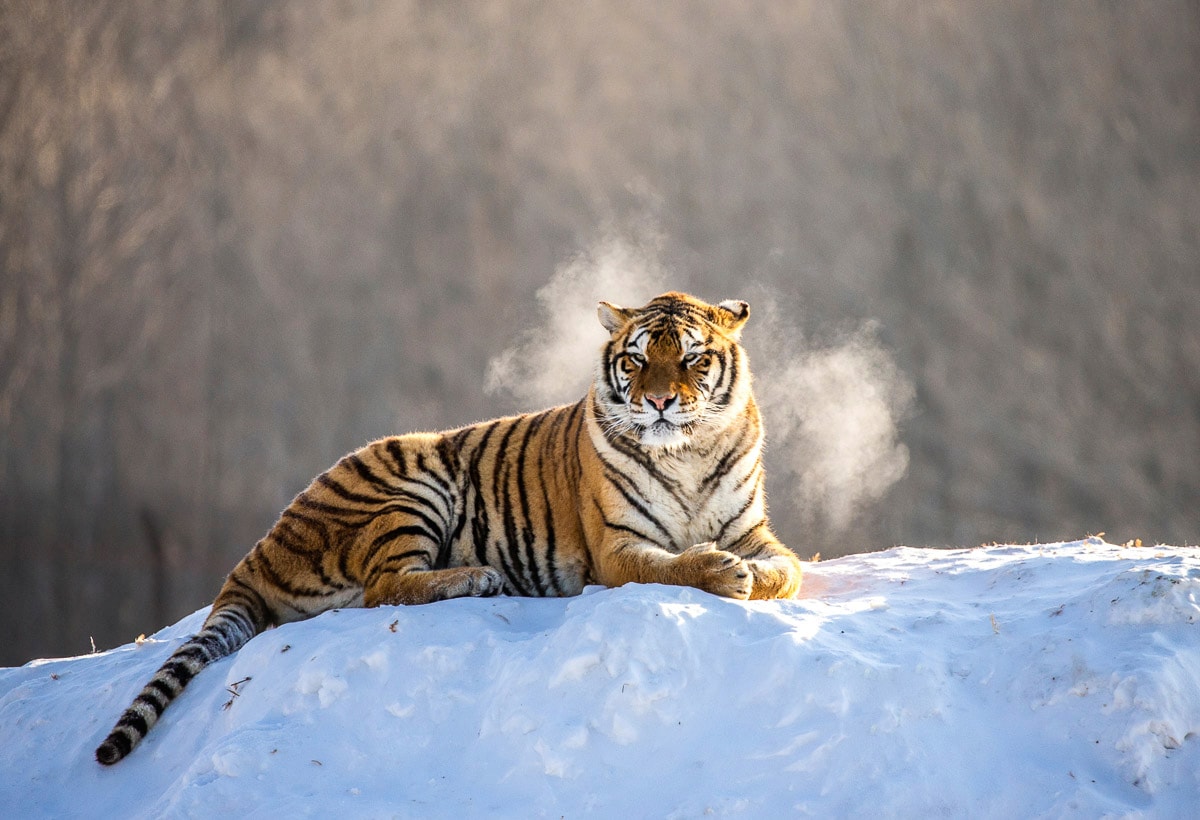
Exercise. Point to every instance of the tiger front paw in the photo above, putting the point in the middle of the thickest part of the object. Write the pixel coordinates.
(714, 570)
(481, 582)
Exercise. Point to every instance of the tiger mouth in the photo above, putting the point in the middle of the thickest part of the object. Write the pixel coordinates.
(664, 427)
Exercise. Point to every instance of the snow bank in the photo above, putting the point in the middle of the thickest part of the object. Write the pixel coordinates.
(1006, 682)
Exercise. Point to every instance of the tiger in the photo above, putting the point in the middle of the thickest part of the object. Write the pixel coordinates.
(655, 476)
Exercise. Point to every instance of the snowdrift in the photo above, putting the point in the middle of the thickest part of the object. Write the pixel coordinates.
(1006, 681)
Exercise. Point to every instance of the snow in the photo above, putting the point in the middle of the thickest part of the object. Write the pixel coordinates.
(1009, 681)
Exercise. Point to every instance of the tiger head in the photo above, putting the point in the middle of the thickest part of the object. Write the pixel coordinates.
(673, 369)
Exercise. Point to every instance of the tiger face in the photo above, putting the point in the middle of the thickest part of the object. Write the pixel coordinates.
(672, 370)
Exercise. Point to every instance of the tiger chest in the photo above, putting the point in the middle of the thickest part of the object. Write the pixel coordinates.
(689, 508)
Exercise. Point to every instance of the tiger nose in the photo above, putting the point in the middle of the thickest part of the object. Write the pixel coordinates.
(660, 402)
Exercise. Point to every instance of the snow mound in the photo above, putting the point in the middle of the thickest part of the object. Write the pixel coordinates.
(1004, 682)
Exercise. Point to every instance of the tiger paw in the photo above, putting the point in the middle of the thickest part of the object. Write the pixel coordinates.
(714, 570)
(434, 585)
(482, 582)
(463, 582)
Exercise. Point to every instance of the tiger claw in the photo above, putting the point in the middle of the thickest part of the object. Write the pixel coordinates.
(714, 570)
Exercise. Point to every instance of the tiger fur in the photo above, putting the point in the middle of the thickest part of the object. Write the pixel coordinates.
(654, 477)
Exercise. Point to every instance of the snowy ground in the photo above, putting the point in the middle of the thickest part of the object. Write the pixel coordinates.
(1002, 682)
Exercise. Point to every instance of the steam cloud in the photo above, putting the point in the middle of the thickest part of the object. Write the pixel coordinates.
(553, 361)
(831, 413)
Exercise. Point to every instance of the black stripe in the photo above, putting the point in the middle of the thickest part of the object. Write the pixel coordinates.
(385, 565)
(719, 386)
(731, 365)
(398, 532)
(343, 563)
(616, 394)
(183, 658)
(639, 506)
(548, 452)
(152, 697)
(440, 486)
(762, 522)
(480, 531)
(315, 564)
(449, 459)
(732, 456)
(574, 434)
(756, 473)
(434, 527)
(180, 671)
(119, 741)
(599, 414)
(365, 473)
(504, 508)
(340, 490)
(286, 536)
(135, 721)
(263, 563)
(168, 692)
(440, 496)
(612, 525)
(557, 417)
(644, 461)
(210, 642)
(759, 548)
(671, 311)
(617, 477)
(439, 506)
(510, 550)
(313, 557)
(400, 469)
(447, 452)
(404, 556)
(242, 619)
(234, 613)
(729, 522)
(454, 446)
(460, 517)
(345, 516)
(255, 604)
(193, 651)
(527, 533)
(227, 632)
(320, 525)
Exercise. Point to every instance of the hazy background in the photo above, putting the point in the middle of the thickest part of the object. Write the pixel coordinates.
(238, 239)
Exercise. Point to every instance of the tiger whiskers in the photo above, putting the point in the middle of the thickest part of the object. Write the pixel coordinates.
(614, 425)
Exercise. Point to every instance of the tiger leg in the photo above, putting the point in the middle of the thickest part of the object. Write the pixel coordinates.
(398, 567)
(776, 570)
(415, 585)
(702, 566)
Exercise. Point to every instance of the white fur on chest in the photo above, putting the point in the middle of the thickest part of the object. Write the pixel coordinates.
(693, 507)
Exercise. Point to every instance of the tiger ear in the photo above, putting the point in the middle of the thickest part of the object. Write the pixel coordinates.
(612, 317)
(731, 315)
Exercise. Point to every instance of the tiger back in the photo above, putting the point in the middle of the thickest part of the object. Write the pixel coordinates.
(654, 477)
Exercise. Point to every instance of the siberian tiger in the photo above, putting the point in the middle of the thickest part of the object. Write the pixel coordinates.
(654, 477)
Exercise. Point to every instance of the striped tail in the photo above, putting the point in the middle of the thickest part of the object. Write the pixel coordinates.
(224, 632)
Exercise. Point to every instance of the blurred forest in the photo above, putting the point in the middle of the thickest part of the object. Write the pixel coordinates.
(238, 239)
